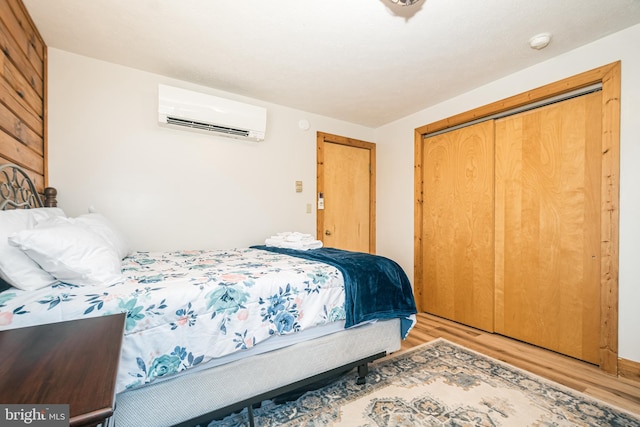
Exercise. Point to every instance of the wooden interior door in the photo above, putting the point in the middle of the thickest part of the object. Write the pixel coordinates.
(347, 183)
(457, 241)
(548, 203)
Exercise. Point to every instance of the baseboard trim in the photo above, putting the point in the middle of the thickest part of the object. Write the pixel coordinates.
(629, 370)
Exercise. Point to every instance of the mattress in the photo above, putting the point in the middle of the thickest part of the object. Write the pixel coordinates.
(188, 308)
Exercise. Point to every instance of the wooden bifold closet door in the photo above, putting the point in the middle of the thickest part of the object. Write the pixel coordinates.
(548, 226)
(458, 248)
(511, 226)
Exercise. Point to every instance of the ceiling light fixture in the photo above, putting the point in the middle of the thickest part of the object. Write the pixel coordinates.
(404, 2)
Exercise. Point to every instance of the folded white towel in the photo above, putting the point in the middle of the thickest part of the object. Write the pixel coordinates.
(293, 240)
(298, 237)
(274, 242)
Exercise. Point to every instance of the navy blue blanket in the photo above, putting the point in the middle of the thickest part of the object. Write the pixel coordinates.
(375, 287)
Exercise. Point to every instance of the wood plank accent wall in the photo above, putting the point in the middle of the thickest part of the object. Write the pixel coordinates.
(23, 94)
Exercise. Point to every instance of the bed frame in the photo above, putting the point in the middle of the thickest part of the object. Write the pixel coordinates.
(18, 191)
(193, 398)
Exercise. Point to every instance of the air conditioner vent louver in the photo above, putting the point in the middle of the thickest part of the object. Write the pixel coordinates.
(195, 111)
(206, 126)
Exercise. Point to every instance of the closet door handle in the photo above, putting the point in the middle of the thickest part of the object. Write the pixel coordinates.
(327, 233)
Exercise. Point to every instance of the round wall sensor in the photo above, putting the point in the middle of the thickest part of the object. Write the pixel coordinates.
(304, 124)
(540, 41)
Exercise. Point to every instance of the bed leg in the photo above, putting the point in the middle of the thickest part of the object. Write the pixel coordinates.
(252, 422)
(363, 370)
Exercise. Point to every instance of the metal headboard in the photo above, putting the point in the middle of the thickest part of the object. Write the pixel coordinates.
(17, 191)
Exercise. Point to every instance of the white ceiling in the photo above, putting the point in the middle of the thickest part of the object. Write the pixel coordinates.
(362, 61)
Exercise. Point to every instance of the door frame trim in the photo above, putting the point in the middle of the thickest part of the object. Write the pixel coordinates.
(609, 76)
(321, 138)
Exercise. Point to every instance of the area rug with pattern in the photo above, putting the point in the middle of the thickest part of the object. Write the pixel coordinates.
(439, 384)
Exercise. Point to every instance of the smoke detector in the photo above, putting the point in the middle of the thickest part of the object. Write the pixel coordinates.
(540, 41)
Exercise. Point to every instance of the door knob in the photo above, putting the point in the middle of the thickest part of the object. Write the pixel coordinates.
(327, 233)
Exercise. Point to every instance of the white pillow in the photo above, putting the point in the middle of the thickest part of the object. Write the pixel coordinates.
(16, 268)
(99, 224)
(70, 252)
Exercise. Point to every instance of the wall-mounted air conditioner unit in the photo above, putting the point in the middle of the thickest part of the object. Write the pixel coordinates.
(190, 110)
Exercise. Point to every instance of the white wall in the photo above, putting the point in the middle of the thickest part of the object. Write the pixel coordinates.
(395, 163)
(172, 189)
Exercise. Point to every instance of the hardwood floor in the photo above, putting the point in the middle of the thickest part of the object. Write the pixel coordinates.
(565, 370)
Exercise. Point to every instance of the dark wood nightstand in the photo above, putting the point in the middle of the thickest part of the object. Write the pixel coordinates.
(73, 362)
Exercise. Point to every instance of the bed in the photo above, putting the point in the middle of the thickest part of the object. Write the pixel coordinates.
(208, 332)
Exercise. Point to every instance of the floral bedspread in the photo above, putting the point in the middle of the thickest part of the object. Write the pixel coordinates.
(186, 307)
